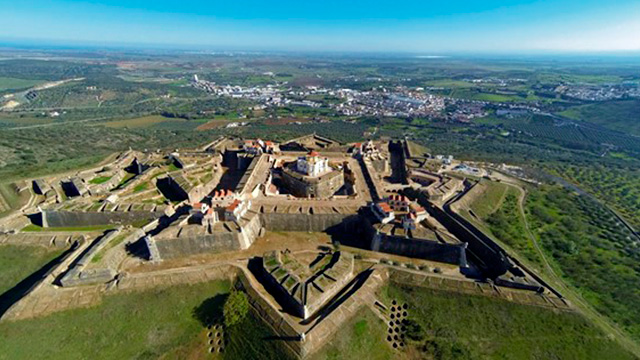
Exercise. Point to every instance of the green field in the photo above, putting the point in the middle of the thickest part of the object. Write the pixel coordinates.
(141, 325)
(8, 83)
(18, 262)
(363, 337)
(477, 94)
(497, 213)
(461, 326)
(583, 243)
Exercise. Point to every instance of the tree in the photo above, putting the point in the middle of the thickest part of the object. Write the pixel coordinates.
(235, 308)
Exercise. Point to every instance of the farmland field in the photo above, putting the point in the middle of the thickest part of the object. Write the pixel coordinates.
(141, 122)
(7, 83)
(616, 186)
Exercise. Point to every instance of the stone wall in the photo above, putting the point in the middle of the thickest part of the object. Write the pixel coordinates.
(105, 187)
(319, 187)
(40, 239)
(302, 222)
(421, 249)
(250, 231)
(76, 275)
(273, 318)
(61, 218)
(192, 245)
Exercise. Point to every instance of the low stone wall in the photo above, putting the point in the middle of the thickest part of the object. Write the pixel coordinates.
(61, 218)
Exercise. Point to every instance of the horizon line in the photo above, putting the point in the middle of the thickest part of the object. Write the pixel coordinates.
(55, 44)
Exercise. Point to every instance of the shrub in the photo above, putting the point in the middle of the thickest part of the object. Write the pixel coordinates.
(235, 308)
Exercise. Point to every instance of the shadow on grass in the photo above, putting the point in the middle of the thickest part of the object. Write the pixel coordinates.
(209, 312)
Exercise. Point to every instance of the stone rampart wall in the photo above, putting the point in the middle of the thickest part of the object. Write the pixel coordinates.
(302, 222)
(60, 218)
(192, 245)
(422, 249)
(274, 319)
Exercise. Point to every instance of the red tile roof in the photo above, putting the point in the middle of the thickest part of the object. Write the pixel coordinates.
(313, 153)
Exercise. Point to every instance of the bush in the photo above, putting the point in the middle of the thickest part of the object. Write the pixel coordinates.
(414, 331)
(235, 308)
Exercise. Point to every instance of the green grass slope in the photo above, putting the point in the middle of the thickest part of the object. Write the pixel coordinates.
(18, 262)
(142, 325)
(360, 338)
(460, 326)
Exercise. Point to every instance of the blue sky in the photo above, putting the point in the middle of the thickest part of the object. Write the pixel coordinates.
(424, 26)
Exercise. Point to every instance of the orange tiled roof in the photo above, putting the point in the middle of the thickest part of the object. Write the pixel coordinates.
(233, 205)
(384, 206)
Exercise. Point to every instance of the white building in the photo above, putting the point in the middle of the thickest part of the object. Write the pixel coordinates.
(236, 210)
(383, 212)
(312, 164)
